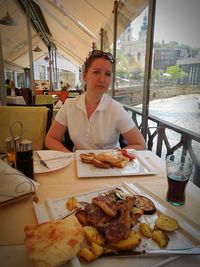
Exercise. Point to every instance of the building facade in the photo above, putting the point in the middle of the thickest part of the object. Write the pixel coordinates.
(66, 73)
(135, 48)
(165, 57)
(192, 67)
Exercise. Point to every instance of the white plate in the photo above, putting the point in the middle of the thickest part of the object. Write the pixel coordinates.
(139, 166)
(55, 160)
(186, 236)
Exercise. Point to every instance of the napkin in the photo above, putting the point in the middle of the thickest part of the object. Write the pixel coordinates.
(14, 185)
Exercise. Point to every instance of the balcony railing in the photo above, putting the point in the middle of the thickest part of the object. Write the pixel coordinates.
(158, 131)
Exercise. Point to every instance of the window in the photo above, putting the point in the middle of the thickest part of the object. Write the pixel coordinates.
(42, 72)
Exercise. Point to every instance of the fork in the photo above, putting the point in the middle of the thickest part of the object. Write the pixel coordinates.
(83, 203)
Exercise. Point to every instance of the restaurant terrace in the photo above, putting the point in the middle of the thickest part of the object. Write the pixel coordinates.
(50, 40)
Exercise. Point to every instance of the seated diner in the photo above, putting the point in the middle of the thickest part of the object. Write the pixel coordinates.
(94, 120)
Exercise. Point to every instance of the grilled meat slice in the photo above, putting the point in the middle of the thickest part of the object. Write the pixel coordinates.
(95, 216)
(119, 227)
(107, 203)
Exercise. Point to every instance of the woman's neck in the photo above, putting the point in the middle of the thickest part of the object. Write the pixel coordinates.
(91, 103)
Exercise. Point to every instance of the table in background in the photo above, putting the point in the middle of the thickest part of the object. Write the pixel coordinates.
(16, 100)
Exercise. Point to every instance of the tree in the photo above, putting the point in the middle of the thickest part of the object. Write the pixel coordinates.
(126, 66)
(157, 74)
(175, 72)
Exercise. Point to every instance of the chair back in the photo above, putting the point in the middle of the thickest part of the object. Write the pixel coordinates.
(34, 120)
(27, 94)
(44, 99)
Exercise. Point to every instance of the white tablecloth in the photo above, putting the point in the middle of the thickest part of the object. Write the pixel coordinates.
(16, 100)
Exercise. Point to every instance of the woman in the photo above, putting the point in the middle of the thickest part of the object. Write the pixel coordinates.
(94, 120)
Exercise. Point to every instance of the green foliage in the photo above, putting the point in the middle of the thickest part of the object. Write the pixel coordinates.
(192, 52)
(127, 66)
(175, 72)
(157, 74)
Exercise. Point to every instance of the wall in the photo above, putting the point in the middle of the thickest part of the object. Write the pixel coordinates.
(134, 95)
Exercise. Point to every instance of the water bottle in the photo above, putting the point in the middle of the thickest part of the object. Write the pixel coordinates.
(24, 158)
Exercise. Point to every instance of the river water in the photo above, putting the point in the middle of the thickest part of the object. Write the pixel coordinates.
(181, 110)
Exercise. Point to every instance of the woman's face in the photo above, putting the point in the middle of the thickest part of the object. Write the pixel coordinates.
(98, 76)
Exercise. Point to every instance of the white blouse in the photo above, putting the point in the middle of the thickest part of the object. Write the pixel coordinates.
(102, 129)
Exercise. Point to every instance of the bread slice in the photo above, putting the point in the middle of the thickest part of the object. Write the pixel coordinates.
(109, 157)
(101, 164)
(53, 243)
(120, 164)
(87, 157)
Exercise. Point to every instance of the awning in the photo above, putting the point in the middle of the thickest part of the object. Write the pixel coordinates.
(74, 25)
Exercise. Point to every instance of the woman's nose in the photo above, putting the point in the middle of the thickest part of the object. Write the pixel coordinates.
(102, 77)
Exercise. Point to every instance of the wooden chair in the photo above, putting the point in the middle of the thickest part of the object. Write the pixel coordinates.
(44, 99)
(35, 120)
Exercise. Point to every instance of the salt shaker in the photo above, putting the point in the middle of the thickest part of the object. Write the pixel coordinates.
(24, 158)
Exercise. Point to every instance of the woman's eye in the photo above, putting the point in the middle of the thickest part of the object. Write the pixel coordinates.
(108, 74)
(96, 72)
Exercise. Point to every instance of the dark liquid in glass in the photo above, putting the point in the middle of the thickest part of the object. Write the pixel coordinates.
(24, 163)
(176, 190)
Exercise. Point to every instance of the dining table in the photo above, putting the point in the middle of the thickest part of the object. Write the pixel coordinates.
(16, 100)
(66, 181)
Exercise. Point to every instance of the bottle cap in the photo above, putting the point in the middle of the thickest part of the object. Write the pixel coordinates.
(25, 145)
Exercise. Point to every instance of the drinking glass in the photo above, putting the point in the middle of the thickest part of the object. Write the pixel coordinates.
(179, 169)
(10, 150)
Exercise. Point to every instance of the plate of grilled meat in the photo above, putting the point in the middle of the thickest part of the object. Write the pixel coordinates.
(123, 221)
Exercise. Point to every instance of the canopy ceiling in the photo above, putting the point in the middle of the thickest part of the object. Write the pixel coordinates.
(72, 25)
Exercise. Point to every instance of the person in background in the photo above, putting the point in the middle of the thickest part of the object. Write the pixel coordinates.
(94, 120)
(14, 91)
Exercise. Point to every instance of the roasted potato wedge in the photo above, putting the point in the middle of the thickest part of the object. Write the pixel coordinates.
(92, 235)
(86, 254)
(97, 249)
(160, 237)
(145, 230)
(71, 203)
(131, 242)
(166, 223)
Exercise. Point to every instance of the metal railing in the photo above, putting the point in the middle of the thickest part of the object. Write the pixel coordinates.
(159, 131)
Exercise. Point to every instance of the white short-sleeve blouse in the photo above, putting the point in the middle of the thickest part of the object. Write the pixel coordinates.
(102, 129)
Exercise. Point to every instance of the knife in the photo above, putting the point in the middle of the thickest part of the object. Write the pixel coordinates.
(42, 162)
(161, 252)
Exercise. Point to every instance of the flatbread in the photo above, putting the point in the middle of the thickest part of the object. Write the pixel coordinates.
(53, 243)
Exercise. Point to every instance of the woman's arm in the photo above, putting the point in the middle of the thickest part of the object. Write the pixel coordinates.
(134, 139)
(54, 137)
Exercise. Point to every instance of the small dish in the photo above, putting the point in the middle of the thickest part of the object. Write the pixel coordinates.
(54, 159)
